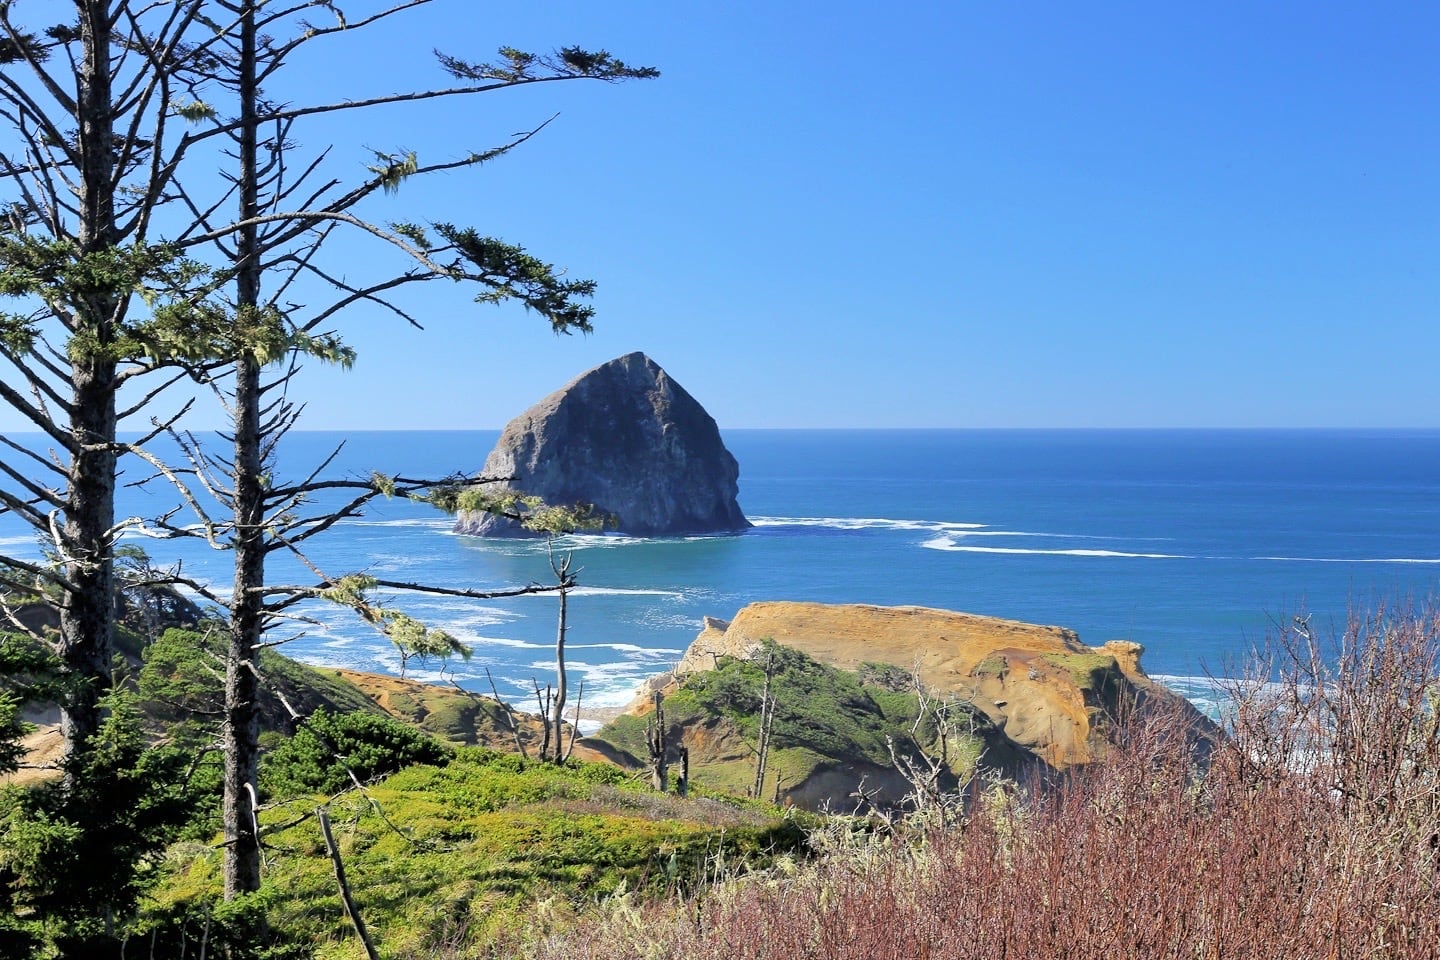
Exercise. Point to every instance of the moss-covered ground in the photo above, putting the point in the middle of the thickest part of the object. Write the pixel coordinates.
(483, 845)
(822, 715)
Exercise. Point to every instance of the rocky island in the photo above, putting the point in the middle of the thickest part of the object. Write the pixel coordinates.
(627, 439)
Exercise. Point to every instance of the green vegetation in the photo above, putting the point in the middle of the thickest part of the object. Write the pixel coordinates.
(442, 847)
(77, 856)
(465, 850)
(817, 706)
(28, 673)
(330, 752)
(181, 683)
(455, 716)
(1093, 673)
(823, 716)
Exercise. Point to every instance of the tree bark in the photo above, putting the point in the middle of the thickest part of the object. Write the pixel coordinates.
(351, 909)
(242, 672)
(655, 740)
(87, 611)
(242, 667)
(561, 682)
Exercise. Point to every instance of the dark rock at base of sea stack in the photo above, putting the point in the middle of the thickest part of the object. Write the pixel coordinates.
(627, 439)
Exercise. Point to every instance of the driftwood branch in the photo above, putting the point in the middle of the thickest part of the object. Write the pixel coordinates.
(508, 713)
(354, 913)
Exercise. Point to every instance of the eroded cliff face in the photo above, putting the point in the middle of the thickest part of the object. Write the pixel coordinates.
(627, 439)
(1047, 697)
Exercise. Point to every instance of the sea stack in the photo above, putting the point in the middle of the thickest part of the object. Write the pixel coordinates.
(627, 439)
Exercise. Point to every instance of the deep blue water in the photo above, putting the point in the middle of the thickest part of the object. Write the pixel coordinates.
(1191, 542)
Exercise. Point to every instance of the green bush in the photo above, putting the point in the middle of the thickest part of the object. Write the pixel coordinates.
(817, 706)
(475, 851)
(182, 675)
(77, 857)
(328, 747)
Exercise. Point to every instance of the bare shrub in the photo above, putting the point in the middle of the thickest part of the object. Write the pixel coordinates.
(1310, 831)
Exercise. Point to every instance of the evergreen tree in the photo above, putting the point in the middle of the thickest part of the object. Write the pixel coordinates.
(284, 246)
(102, 302)
(85, 163)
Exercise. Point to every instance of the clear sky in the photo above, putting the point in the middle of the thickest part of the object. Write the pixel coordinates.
(924, 214)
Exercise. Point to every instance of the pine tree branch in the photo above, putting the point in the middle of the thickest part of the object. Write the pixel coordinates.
(315, 33)
(36, 412)
(368, 294)
(45, 463)
(18, 93)
(38, 494)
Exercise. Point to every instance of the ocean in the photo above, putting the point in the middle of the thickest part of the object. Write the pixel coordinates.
(1195, 543)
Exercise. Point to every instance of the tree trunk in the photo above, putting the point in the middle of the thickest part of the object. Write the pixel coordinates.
(767, 720)
(561, 683)
(655, 740)
(87, 610)
(242, 665)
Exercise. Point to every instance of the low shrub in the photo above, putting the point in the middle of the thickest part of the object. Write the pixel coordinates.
(1312, 830)
(330, 747)
(485, 851)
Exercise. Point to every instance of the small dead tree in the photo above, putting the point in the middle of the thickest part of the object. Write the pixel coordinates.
(927, 770)
(655, 740)
(351, 909)
(767, 725)
(543, 701)
(564, 580)
(575, 724)
(505, 711)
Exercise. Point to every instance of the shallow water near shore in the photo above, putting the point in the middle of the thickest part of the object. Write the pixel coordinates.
(1195, 543)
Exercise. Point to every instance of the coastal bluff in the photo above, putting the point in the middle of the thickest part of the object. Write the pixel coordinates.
(626, 439)
(1038, 699)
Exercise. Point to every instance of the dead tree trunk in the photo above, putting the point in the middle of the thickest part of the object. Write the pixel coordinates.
(767, 721)
(506, 712)
(575, 725)
(354, 912)
(655, 740)
(544, 700)
(247, 619)
(562, 686)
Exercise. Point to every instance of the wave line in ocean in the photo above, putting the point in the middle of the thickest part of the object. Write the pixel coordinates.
(1424, 560)
(949, 545)
(864, 523)
(945, 543)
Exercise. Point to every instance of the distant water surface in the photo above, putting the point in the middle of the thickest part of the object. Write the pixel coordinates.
(1192, 542)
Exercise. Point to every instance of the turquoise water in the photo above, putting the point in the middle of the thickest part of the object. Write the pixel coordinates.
(1193, 543)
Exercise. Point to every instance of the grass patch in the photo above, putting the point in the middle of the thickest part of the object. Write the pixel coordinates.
(475, 844)
(1096, 673)
(823, 716)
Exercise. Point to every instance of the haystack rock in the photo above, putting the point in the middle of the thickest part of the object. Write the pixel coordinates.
(628, 439)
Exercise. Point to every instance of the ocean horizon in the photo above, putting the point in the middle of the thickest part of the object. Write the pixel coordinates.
(1196, 543)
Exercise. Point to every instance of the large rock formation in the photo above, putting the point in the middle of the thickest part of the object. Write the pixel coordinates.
(627, 439)
(1049, 693)
(1038, 698)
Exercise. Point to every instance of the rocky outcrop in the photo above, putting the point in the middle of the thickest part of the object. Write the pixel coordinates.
(1039, 697)
(1048, 692)
(627, 439)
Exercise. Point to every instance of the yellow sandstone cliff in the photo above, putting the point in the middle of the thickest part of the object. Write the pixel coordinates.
(1046, 691)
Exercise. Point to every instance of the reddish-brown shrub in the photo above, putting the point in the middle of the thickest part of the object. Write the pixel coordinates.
(1311, 831)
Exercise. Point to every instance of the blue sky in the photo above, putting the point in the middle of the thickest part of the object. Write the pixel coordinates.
(924, 214)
